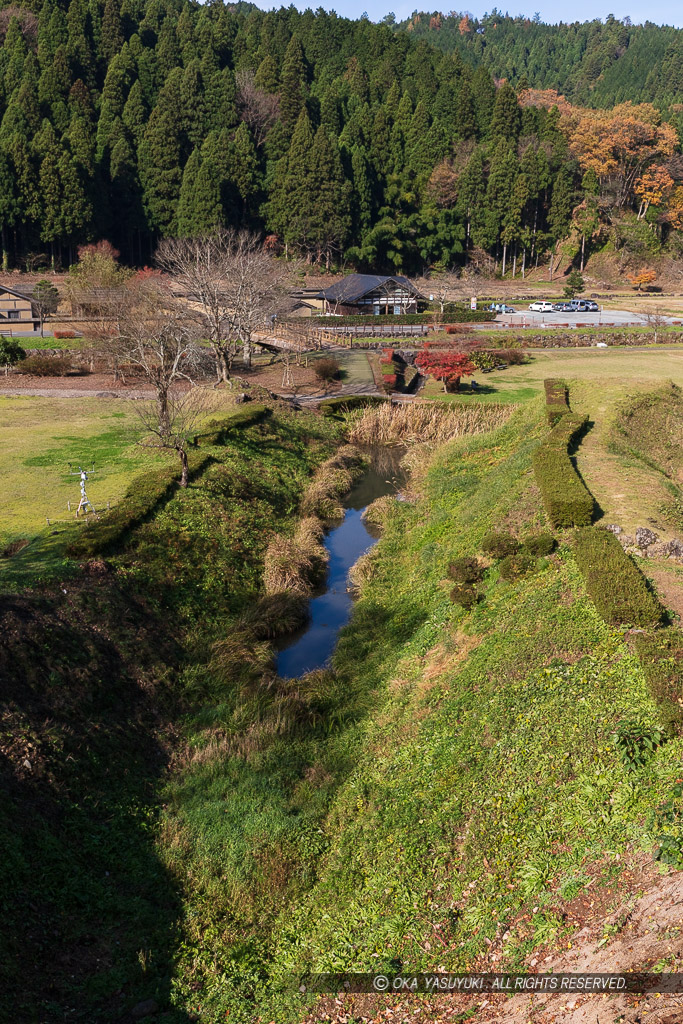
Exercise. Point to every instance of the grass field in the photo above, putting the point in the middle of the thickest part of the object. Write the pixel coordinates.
(616, 370)
(39, 437)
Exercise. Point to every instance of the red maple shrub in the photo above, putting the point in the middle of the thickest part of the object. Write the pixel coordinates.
(445, 365)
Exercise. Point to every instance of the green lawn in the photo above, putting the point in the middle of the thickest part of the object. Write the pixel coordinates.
(39, 437)
(616, 370)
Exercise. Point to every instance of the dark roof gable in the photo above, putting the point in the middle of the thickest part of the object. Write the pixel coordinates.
(354, 286)
(13, 291)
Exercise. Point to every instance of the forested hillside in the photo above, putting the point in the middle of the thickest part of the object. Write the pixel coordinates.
(596, 63)
(339, 140)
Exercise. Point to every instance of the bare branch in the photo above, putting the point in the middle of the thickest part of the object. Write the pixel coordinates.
(259, 109)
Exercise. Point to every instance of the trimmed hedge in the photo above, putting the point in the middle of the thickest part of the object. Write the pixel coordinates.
(459, 315)
(244, 417)
(661, 658)
(142, 498)
(614, 582)
(556, 400)
(340, 404)
(567, 501)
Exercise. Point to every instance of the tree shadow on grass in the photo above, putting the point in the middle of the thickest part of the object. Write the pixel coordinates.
(89, 912)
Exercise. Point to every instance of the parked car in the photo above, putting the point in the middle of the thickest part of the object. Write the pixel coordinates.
(507, 309)
(541, 306)
(592, 307)
(562, 307)
(584, 306)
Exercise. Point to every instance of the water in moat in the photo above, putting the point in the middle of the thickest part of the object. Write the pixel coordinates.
(312, 646)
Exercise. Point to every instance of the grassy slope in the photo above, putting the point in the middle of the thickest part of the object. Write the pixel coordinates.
(94, 688)
(487, 778)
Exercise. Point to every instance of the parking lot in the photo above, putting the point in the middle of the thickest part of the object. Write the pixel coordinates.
(606, 318)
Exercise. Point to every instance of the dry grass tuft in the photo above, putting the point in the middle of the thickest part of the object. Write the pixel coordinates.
(378, 512)
(363, 569)
(332, 480)
(419, 423)
(296, 564)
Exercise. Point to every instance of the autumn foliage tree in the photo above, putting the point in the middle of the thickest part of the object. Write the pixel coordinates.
(445, 365)
(641, 277)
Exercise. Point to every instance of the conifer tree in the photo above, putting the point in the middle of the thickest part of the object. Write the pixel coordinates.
(292, 84)
(135, 112)
(561, 203)
(294, 192)
(465, 117)
(112, 38)
(266, 76)
(9, 206)
(330, 220)
(484, 97)
(362, 204)
(199, 207)
(505, 117)
(244, 167)
(159, 158)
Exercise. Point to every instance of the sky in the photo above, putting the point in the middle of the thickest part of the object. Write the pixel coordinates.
(661, 12)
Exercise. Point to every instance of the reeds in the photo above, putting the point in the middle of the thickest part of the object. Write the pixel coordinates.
(378, 511)
(332, 480)
(296, 564)
(421, 422)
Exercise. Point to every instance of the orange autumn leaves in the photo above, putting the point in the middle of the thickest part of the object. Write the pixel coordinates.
(626, 146)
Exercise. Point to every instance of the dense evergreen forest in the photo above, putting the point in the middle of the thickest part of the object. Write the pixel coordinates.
(594, 63)
(347, 142)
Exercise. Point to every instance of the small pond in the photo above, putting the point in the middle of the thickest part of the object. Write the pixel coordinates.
(312, 646)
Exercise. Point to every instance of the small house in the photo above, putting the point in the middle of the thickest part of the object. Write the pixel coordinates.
(16, 310)
(371, 294)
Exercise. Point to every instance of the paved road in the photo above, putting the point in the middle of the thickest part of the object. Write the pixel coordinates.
(608, 317)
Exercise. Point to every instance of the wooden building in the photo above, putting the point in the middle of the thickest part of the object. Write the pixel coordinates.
(371, 294)
(16, 311)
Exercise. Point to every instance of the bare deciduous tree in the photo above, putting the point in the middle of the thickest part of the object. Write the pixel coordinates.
(233, 287)
(656, 318)
(258, 108)
(158, 339)
(183, 410)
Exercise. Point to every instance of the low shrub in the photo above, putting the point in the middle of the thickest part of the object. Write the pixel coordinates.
(512, 356)
(465, 595)
(63, 334)
(389, 381)
(45, 366)
(513, 567)
(667, 823)
(567, 501)
(388, 354)
(326, 369)
(466, 570)
(274, 615)
(144, 496)
(483, 360)
(614, 582)
(423, 422)
(539, 544)
(246, 416)
(499, 545)
(341, 404)
(636, 742)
